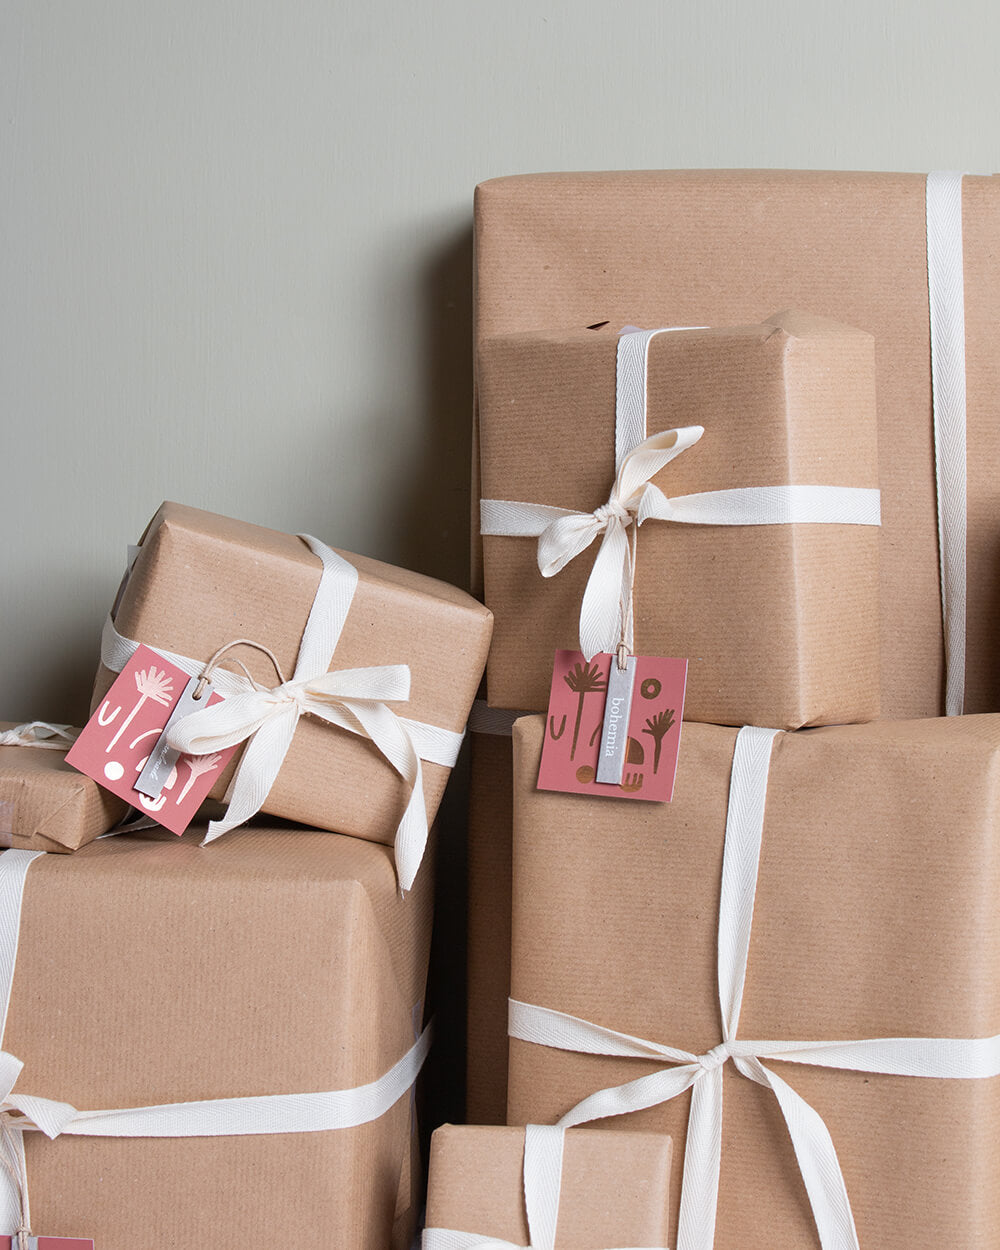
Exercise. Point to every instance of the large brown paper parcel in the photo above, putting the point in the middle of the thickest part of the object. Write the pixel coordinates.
(722, 247)
(45, 805)
(201, 581)
(875, 916)
(615, 1186)
(779, 623)
(277, 961)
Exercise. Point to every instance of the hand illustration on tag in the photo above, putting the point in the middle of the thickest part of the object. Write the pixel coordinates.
(647, 710)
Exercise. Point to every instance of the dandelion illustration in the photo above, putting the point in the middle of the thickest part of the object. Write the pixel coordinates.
(658, 727)
(583, 679)
(197, 765)
(151, 684)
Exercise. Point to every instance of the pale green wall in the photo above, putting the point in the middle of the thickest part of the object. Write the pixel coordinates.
(235, 266)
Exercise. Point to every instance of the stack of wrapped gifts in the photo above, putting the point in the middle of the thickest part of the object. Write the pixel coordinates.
(740, 428)
(214, 1037)
(734, 831)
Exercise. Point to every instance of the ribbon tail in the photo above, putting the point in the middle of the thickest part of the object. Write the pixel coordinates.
(390, 736)
(702, 1164)
(817, 1158)
(256, 772)
(601, 610)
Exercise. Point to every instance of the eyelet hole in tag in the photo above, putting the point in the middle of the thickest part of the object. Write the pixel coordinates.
(588, 724)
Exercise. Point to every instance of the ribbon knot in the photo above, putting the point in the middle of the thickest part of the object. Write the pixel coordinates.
(612, 511)
(715, 1057)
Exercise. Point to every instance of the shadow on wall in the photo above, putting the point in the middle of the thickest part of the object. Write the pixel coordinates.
(432, 517)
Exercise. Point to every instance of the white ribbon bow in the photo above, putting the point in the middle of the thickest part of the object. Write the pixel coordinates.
(213, 1117)
(351, 699)
(543, 1161)
(606, 609)
(606, 612)
(941, 1058)
(39, 733)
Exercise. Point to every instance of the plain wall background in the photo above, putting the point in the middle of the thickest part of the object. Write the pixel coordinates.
(235, 262)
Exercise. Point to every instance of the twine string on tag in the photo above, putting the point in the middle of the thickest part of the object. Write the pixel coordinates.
(206, 673)
(12, 1160)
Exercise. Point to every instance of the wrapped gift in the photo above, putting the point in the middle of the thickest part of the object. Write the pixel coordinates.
(832, 890)
(741, 529)
(221, 1044)
(488, 918)
(728, 247)
(45, 805)
(373, 751)
(514, 1187)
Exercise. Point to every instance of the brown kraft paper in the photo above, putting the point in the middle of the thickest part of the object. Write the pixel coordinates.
(615, 1186)
(46, 805)
(875, 916)
(725, 247)
(203, 580)
(779, 623)
(151, 970)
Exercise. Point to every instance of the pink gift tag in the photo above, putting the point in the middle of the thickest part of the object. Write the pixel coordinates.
(581, 727)
(49, 1243)
(117, 740)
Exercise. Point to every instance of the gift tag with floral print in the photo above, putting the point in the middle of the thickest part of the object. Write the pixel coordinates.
(613, 729)
(117, 741)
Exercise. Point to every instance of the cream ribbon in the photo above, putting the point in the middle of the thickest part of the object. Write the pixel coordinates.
(543, 1161)
(946, 299)
(939, 1058)
(39, 733)
(349, 699)
(606, 612)
(217, 1117)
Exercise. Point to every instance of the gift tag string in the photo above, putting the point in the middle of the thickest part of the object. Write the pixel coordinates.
(206, 672)
(12, 1159)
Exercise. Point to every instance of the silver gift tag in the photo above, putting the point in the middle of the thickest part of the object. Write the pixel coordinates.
(162, 758)
(614, 732)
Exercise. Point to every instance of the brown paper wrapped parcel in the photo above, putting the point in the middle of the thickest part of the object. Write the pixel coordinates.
(779, 621)
(873, 916)
(727, 247)
(613, 1188)
(202, 581)
(151, 971)
(45, 805)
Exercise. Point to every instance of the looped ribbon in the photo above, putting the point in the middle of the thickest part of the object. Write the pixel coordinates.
(266, 719)
(940, 1058)
(606, 612)
(543, 1162)
(213, 1117)
(39, 733)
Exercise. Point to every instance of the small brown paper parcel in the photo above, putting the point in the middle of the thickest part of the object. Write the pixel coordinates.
(728, 247)
(150, 971)
(201, 581)
(615, 1186)
(779, 622)
(875, 917)
(46, 805)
